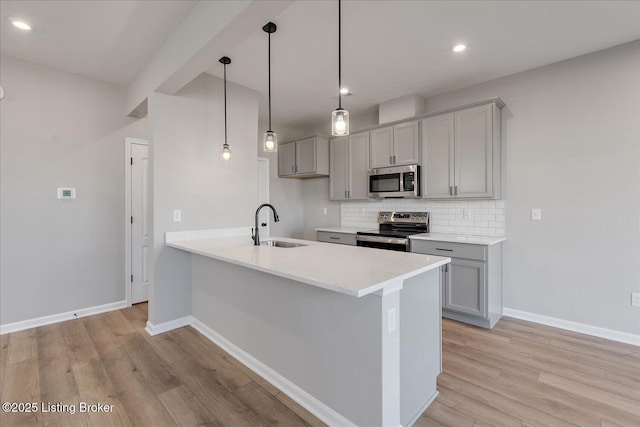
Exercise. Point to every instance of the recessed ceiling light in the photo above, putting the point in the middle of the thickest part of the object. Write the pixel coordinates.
(459, 47)
(344, 91)
(19, 23)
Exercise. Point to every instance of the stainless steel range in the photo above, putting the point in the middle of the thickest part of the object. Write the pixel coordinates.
(395, 229)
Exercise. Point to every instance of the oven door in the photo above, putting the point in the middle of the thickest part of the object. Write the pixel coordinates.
(381, 242)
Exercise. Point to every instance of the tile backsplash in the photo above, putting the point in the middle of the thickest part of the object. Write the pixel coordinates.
(478, 217)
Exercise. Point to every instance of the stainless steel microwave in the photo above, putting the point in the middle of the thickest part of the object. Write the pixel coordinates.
(395, 182)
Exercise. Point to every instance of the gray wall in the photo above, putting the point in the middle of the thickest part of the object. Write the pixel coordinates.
(60, 130)
(571, 131)
(187, 132)
(315, 199)
(571, 135)
(285, 193)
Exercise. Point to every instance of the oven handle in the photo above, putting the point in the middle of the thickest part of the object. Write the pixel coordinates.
(378, 239)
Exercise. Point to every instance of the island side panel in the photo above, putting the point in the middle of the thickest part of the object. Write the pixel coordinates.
(328, 344)
(420, 343)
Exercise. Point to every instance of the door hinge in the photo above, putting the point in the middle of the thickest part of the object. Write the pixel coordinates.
(132, 278)
(131, 219)
(132, 160)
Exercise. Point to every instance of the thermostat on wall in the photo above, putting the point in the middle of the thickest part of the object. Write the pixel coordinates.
(66, 193)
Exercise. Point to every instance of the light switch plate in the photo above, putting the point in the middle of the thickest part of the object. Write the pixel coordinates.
(536, 214)
(177, 215)
(391, 320)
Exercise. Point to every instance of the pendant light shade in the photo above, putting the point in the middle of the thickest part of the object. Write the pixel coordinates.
(225, 153)
(340, 117)
(340, 122)
(270, 138)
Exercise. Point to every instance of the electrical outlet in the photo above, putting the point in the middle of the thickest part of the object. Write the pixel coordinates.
(324, 211)
(536, 214)
(635, 299)
(177, 215)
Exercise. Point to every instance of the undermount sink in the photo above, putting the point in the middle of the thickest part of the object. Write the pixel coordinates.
(281, 244)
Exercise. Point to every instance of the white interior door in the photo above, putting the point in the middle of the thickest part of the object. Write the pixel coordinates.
(263, 196)
(140, 230)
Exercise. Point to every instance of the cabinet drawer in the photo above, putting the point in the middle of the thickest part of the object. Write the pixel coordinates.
(342, 238)
(453, 250)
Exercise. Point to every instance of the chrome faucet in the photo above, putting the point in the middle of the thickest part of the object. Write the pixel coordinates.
(276, 218)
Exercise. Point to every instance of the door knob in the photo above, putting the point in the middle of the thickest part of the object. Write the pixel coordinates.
(264, 224)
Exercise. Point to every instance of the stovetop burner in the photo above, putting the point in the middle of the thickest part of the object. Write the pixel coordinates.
(400, 224)
(395, 229)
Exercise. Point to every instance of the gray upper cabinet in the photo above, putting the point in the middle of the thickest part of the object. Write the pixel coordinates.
(461, 153)
(304, 158)
(438, 157)
(395, 145)
(287, 159)
(348, 167)
(406, 139)
(381, 147)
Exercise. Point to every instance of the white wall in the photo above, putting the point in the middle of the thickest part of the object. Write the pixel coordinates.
(187, 132)
(60, 130)
(571, 132)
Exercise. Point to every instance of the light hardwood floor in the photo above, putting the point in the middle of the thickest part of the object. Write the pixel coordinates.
(518, 374)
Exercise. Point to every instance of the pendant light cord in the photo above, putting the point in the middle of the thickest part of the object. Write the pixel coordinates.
(339, 54)
(269, 50)
(225, 104)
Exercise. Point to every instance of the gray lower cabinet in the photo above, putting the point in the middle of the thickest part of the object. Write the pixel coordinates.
(471, 283)
(332, 237)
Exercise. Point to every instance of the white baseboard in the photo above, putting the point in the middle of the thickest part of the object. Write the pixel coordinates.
(304, 399)
(424, 408)
(167, 326)
(582, 328)
(55, 318)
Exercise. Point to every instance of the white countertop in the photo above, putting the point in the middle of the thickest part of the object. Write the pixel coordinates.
(459, 238)
(351, 270)
(345, 230)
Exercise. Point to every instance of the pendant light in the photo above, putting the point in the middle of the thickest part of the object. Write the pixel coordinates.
(270, 138)
(225, 153)
(340, 116)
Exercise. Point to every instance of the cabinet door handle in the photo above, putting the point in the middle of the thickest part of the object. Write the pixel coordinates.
(394, 159)
(348, 194)
(455, 190)
(292, 168)
(390, 160)
(450, 190)
(345, 194)
(334, 238)
(447, 250)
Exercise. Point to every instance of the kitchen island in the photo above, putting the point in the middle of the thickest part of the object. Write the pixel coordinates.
(350, 333)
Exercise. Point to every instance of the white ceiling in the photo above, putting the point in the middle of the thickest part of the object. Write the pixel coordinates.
(105, 39)
(390, 48)
(394, 48)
